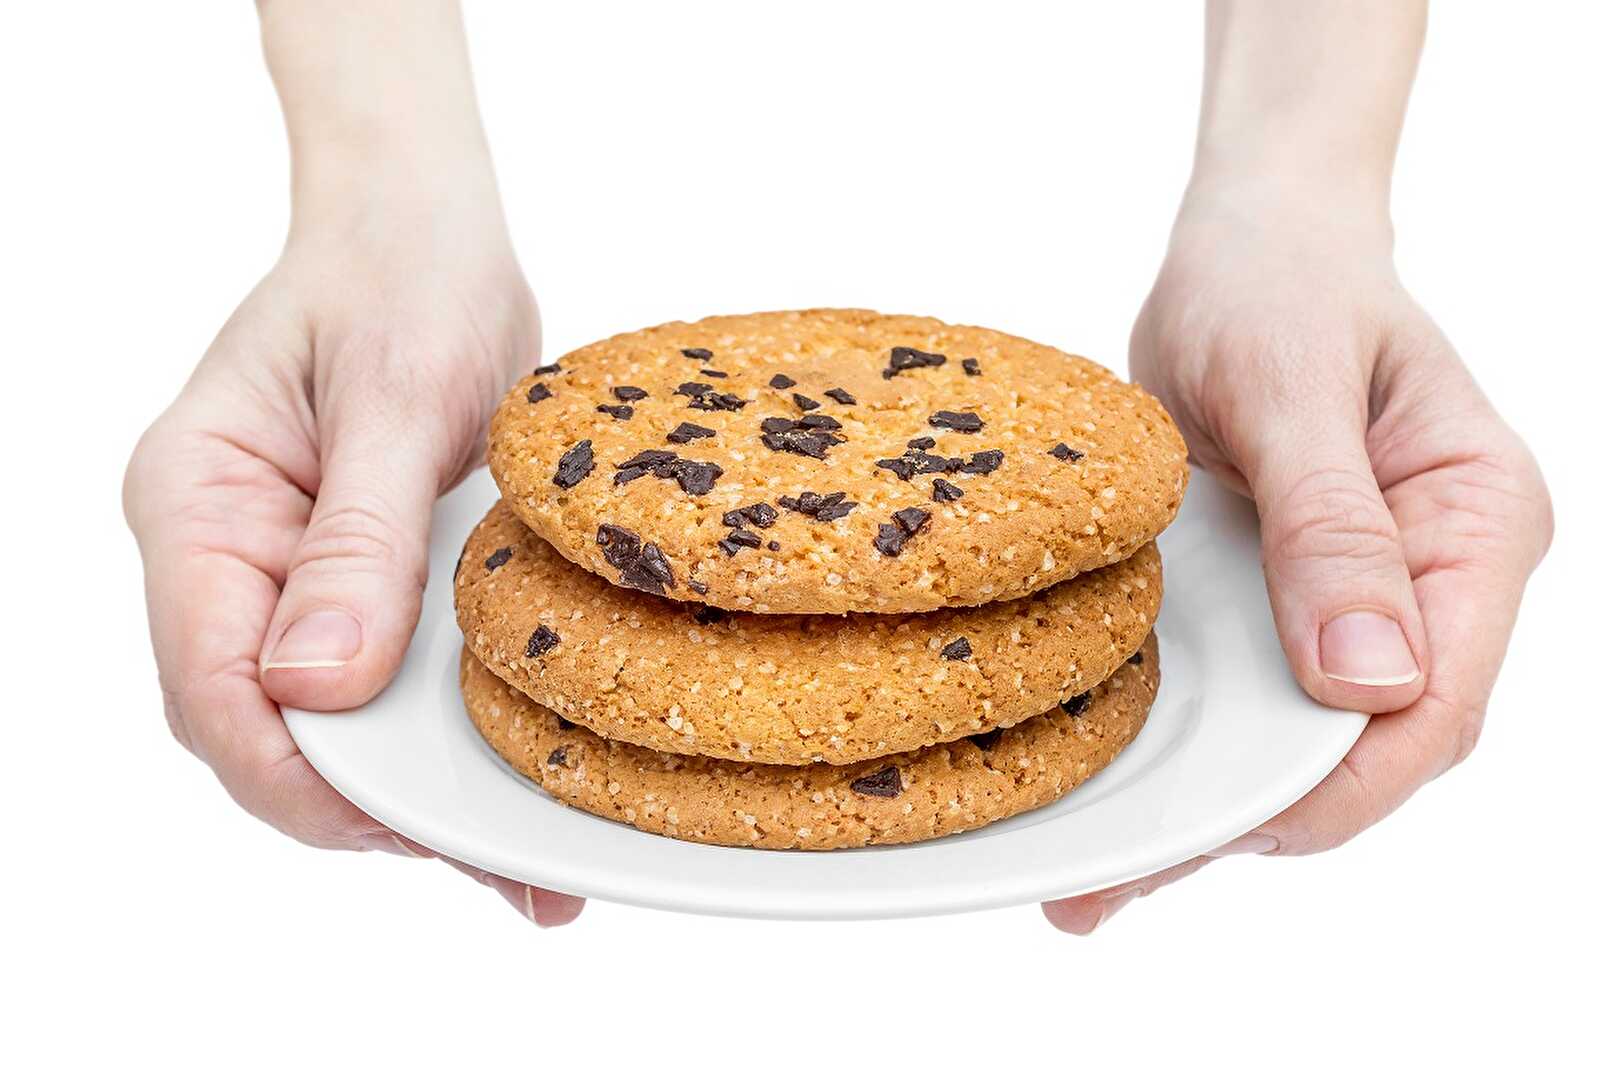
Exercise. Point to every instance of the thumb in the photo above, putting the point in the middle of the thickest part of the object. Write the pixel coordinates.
(1343, 601)
(355, 584)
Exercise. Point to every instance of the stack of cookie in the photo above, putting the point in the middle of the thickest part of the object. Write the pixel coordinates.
(817, 579)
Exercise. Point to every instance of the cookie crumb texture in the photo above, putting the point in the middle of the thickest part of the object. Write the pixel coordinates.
(829, 401)
(780, 689)
(896, 799)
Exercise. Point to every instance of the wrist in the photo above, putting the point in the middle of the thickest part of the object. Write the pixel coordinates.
(379, 103)
(1350, 211)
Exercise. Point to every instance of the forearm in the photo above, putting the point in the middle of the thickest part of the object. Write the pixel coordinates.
(379, 102)
(1307, 96)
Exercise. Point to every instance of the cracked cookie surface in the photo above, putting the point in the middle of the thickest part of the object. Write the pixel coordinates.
(936, 791)
(786, 689)
(908, 464)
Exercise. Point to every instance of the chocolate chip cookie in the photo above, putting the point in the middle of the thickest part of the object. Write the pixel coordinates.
(830, 461)
(786, 689)
(894, 799)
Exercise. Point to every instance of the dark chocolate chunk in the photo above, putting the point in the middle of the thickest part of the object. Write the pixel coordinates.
(686, 433)
(901, 466)
(543, 640)
(903, 358)
(698, 586)
(575, 464)
(1078, 705)
(705, 615)
(619, 412)
(739, 538)
(538, 392)
(559, 756)
(548, 369)
(1136, 658)
(777, 425)
(658, 462)
(889, 540)
(884, 784)
(498, 558)
(648, 458)
(696, 477)
(821, 507)
(694, 389)
(620, 546)
(972, 366)
(923, 442)
(842, 396)
(805, 403)
(956, 650)
(712, 374)
(698, 354)
(781, 381)
(758, 514)
(773, 545)
(629, 393)
(956, 421)
(909, 523)
(912, 519)
(987, 739)
(818, 422)
(941, 491)
(812, 444)
(982, 462)
(710, 401)
(1065, 453)
(929, 463)
(651, 572)
(916, 461)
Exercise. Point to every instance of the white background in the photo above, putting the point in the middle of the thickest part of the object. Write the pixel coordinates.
(1006, 164)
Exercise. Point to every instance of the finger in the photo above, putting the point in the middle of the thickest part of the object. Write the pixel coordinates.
(1085, 914)
(1469, 608)
(216, 526)
(541, 906)
(209, 610)
(1338, 581)
(354, 588)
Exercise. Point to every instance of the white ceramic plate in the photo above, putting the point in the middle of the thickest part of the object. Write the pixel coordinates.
(1231, 741)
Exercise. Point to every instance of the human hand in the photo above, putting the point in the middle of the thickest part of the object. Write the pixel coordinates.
(282, 503)
(1400, 516)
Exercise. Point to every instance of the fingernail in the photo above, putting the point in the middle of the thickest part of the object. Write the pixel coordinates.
(1249, 844)
(321, 639)
(1367, 648)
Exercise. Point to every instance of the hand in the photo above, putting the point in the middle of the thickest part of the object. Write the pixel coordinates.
(282, 502)
(1400, 516)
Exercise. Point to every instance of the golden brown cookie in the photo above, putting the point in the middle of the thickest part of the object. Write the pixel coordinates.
(936, 791)
(834, 461)
(786, 689)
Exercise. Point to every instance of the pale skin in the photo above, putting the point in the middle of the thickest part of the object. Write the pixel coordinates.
(282, 502)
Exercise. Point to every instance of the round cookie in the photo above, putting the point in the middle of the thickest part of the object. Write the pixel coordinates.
(786, 689)
(834, 461)
(936, 791)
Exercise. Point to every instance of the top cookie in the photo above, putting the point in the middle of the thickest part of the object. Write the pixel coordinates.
(831, 461)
